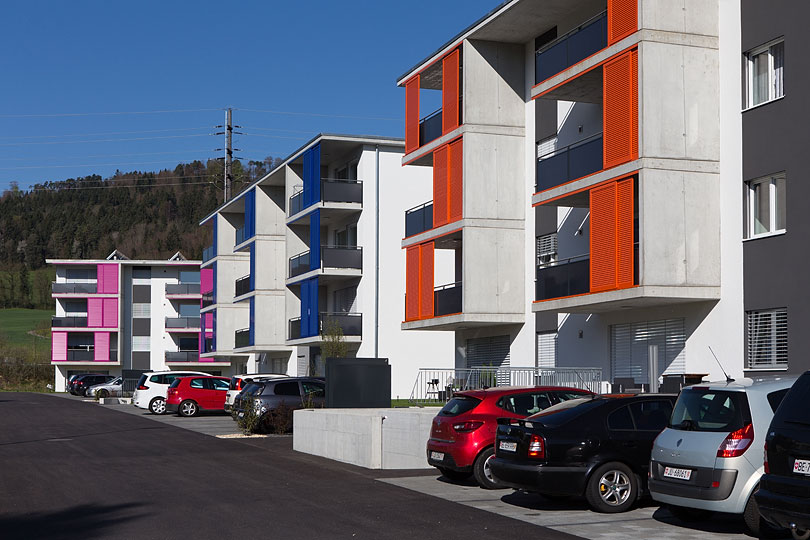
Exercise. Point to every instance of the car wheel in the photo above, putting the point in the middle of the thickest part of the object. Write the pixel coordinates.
(103, 393)
(689, 514)
(799, 534)
(456, 476)
(612, 488)
(157, 406)
(756, 525)
(188, 408)
(483, 472)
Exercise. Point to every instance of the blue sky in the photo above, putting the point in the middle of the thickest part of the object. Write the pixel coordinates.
(70, 67)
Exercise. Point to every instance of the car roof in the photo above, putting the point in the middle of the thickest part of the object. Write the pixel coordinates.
(178, 372)
(267, 375)
(744, 384)
(497, 391)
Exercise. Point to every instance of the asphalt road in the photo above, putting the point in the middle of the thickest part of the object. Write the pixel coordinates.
(78, 470)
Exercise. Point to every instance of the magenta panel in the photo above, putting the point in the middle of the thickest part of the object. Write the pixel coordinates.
(95, 312)
(206, 280)
(110, 313)
(102, 343)
(209, 322)
(107, 275)
(59, 346)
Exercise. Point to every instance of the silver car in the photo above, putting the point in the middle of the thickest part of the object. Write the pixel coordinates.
(114, 388)
(710, 458)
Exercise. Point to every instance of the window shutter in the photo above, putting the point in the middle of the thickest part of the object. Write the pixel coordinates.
(426, 280)
(110, 313)
(629, 348)
(767, 339)
(412, 114)
(95, 313)
(603, 238)
(59, 346)
(102, 347)
(456, 180)
(440, 195)
(624, 234)
(622, 19)
(546, 349)
(412, 283)
(450, 92)
(620, 116)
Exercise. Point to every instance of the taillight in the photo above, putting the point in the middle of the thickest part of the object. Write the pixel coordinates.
(142, 387)
(765, 462)
(467, 427)
(737, 442)
(238, 384)
(537, 447)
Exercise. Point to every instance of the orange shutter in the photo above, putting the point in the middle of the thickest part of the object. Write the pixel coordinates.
(456, 181)
(450, 91)
(603, 238)
(440, 186)
(624, 234)
(412, 114)
(622, 19)
(620, 110)
(426, 281)
(412, 283)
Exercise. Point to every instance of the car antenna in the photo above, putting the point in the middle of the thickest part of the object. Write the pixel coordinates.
(584, 386)
(728, 379)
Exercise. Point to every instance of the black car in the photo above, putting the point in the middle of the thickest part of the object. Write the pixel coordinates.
(784, 490)
(280, 396)
(596, 447)
(79, 385)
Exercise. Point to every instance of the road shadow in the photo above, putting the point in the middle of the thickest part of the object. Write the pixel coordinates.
(535, 501)
(716, 523)
(83, 521)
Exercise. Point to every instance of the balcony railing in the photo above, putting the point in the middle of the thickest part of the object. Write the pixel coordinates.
(571, 48)
(351, 324)
(182, 356)
(295, 328)
(207, 299)
(342, 257)
(241, 338)
(299, 264)
(339, 190)
(296, 202)
(240, 235)
(69, 322)
(430, 127)
(182, 289)
(419, 219)
(447, 299)
(73, 288)
(563, 278)
(83, 354)
(208, 254)
(243, 285)
(182, 322)
(569, 163)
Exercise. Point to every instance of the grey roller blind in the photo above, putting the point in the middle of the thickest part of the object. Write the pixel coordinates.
(629, 348)
(546, 349)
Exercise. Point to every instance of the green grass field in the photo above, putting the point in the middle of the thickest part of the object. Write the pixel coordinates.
(16, 323)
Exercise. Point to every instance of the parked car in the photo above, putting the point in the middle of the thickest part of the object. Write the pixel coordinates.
(238, 383)
(187, 396)
(598, 448)
(710, 457)
(784, 490)
(462, 435)
(112, 388)
(150, 393)
(81, 383)
(272, 396)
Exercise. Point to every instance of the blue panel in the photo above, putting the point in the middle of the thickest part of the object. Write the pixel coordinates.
(316, 173)
(214, 243)
(307, 179)
(313, 307)
(315, 240)
(304, 308)
(252, 267)
(252, 331)
(250, 214)
(214, 330)
(214, 272)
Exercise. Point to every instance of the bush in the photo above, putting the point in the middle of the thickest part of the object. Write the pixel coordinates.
(249, 421)
(20, 377)
(279, 420)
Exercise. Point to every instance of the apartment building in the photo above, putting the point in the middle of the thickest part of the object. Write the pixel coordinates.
(586, 162)
(307, 250)
(117, 315)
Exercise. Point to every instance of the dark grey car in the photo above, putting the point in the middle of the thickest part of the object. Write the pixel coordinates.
(273, 397)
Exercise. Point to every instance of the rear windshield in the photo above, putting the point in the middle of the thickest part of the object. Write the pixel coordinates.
(175, 383)
(565, 412)
(459, 405)
(142, 380)
(234, 381)
(794, 409)
(702, 409)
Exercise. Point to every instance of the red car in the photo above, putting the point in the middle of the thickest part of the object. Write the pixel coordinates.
(187, 396)
(462, 436)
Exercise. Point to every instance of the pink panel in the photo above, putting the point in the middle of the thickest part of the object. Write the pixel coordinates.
(94, 313)
(102, 344)
(107, 275)
(110, 315)
(59, 346)
(206, 280)
(209, 321)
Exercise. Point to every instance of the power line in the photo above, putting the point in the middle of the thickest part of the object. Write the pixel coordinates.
(281, 130)
(276, 136)
(321, 115)
(59, 115)
(80, 165)
(102, 133)
(125, 186)
(108, 140)
(45, 158)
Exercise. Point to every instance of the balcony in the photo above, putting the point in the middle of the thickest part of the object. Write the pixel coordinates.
(447, 299)
(243, 285)
(351, 324)
(571, 48)
(340, 257)
(207, 299)
(241, 338)
(294, 329)
(566, 277)
(299, 264)
(338, 190)
(569, 163)
(182, 323)
(182, 289)
(208, 345)
(208, 254)
(430, 127)
(419, 219)
(182, 356)
(296, 202)
(83, 354)
(240, 236)
(73, 288)
(69, 322)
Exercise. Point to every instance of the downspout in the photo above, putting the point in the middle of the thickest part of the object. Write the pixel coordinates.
(376, 251)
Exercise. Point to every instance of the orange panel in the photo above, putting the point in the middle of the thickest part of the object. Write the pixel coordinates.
(620, 112)
(634, 104)
(412, 283)
(622, 19)
(603, 238)
(426, 280)
(440, 203)
(412, 114)
(624, 233)
(456, 180)
(450, 91)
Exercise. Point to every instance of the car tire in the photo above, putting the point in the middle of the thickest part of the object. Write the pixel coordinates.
(188, 408)
(756, 524)
(157, 406)
(456, 476)
(689, 515)
(103, 394)
(482, 472)
(612, 488)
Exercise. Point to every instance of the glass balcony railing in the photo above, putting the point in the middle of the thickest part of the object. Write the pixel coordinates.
(69, 322)
(240, 235)
(182, 289)
(419, 219)
(447, 299)
(338, 190)
(342, 257)
(208, 254)
(430, 127)
(569, 163)
(562, 278)
(299, 264)
(351, 324)
(243, 285)
(182, 322)
(296, 202)
(295, 328)
(73, 288)
(571, 48)
(83, 354)
(241, 338)
(207, 299)
(182, 356)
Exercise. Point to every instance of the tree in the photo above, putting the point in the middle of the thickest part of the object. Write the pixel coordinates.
(333, 344)
(25, 287)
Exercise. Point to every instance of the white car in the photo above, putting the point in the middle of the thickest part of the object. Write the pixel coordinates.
(238, 383)
(151, 390)
(105, 390)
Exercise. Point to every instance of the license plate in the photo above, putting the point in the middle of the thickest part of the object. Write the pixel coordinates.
(508, 446)
(801, 466)
(680, 474)
(438, 456)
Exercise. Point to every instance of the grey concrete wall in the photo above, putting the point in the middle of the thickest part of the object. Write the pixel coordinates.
(493, 177)
(270, 210)
(493, 81)
(493, 283)
(700, 17)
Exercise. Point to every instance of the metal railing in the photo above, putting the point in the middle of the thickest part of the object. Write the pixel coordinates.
(182, 356)
(299, 264)
(342, 257)
(565, 277)
(447, 299)
(439, 384)
(351, 324)
(565, 164)
(419, 219)
(241, 338)
(69, 322)
(294, 331)
(184, 289)
(207, 299)
(571, 48)
(208, 254)
(182, 322)
(242, 285)
(296, 202)
(430, 127)
(73, 288)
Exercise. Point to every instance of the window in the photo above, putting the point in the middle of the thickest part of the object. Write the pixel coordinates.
(189, 276)
(651, 415)
(189, 310)
(141, 343)
(767, 339)
(620, 419)
(197, 383)
(312, 389)
(287, 389)
(764, 74)
(699, 409)
(141, 311)
(219, 384)
(546, 349)
(630, 348)
(344, 299)
(526, 404)
(765, 206)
